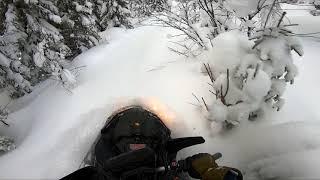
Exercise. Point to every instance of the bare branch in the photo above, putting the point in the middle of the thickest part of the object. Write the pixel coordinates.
(178, 52)
(256, 71)
(209, 72)
(213, 93)
(196, 97)
(205, 104)
(268, 16)
(194, 104)
(227, 84)
(281, 18)
(297, 52)
(4, 123)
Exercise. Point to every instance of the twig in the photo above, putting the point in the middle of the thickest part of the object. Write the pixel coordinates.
(194, 104)
(227, 84)
(297, 52)
(205, 104)
(268, 16)
(4, 123)
(210, 85)
(178, 52)
(213, 93)
(287, 25)
(5, 107)
(281, 18)
(308, 33)
(196, 98)
(256, 71)
(257, 43)
(238, 102)
(286, 31)
(79, 67)
(209, 72)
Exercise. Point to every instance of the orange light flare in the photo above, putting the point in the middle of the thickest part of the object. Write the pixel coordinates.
(161, 110)
(152, 104)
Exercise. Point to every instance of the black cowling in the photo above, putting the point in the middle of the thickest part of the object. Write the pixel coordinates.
(129, 126)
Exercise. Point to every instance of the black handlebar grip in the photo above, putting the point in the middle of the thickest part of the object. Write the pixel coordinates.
(217, 156)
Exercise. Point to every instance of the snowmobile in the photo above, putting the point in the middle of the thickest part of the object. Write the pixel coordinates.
(136, 144)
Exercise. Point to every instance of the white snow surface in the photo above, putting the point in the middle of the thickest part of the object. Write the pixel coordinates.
(54, 128)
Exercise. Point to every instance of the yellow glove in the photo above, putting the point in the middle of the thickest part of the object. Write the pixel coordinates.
(204, 166)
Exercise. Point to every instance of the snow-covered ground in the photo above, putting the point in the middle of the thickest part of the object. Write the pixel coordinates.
(55, 128)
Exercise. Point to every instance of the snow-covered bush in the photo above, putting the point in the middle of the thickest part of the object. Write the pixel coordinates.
(249, 78)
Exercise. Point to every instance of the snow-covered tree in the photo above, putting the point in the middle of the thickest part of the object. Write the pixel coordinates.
(78, 25)
(3, 10)
(142, 8)
(32, 47)
(15, 73)
(47, 47)
(40, 37)
(113, 13)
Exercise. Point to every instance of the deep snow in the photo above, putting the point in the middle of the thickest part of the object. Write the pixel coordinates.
(55, 128)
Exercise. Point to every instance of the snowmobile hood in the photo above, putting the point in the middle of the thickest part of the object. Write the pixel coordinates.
(136, 121)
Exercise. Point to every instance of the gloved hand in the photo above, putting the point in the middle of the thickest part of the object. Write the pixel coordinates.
(203, 166)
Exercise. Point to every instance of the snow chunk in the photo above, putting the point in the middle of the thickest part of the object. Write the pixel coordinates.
(85, 21)
(258, 84)
(68, 78)
(78, 7)
(39, 57)
(55, 18)
(4, 61)
(227, 50)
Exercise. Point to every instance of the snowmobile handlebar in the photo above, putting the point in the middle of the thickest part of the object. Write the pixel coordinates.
(175, 166)
(182, 165)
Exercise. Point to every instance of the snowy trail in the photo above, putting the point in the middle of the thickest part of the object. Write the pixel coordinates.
(56, 129)
(59, 127)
